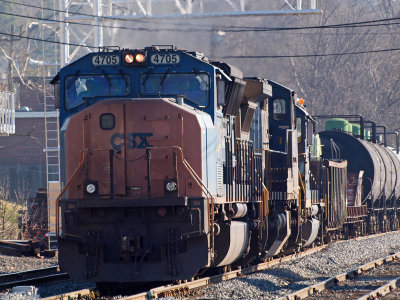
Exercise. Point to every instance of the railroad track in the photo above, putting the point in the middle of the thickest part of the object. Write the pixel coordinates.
(185, 288)
(32, 277)
(369, 281)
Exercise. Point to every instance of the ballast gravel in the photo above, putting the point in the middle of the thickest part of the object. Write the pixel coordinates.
(289, 277)
(272, 283)
(11, 264)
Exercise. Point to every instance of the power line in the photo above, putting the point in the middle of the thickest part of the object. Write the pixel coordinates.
(88, 24)
(233, 29)
(72, 13)
(46, 41)
(312, 55)
(344, 25)
(333, 26)
(229, 56)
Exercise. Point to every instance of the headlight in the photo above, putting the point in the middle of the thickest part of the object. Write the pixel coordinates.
(171, 186)
(129, 58)
(139, 58)
(90, 188)
(134, 58)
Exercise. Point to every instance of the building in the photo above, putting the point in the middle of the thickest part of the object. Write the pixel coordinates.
(22, 160)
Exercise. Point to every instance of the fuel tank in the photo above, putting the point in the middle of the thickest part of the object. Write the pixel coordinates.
(380, 165)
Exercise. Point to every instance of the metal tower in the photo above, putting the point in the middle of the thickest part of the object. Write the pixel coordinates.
(102, 13)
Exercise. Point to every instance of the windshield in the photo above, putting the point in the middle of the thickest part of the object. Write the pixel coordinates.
(194, 87)
(82, 88)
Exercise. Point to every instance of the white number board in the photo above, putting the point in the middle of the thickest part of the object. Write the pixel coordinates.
(105, 60)
(165, 59)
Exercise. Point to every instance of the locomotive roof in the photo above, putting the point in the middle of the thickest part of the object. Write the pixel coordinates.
(225, 69)
(275, 84)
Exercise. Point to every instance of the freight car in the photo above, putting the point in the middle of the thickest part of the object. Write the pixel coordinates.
(374, 166)
(173, 164)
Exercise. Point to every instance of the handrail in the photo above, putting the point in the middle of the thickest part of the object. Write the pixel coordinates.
(304, 191)
(198, 180)
(81, 161)
(266, 200)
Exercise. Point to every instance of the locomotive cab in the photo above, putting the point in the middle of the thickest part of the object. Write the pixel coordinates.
(297, 205)
(139, 165)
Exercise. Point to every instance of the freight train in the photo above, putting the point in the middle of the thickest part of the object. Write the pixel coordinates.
(173, 165)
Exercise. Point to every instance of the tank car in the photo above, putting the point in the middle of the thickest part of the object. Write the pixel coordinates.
(373, 164)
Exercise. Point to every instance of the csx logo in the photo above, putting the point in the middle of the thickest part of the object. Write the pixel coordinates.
(133, 140)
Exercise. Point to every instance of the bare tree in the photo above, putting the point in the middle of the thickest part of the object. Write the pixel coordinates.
(19, 51)
(9, 212)
(361, 83)
(19, 217)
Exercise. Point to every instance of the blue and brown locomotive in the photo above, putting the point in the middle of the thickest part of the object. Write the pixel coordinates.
(173, 164)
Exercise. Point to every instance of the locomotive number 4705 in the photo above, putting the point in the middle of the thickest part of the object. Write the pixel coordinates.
(165, 59)
(105, 60)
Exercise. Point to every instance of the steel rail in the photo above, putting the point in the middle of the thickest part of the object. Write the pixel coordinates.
(321, 286)
(18, 275)
(382, 290)
(32, 277)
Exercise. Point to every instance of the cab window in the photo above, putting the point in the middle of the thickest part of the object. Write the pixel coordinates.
(79, 89)
(299, 129)
(279, 109)
(194, 87)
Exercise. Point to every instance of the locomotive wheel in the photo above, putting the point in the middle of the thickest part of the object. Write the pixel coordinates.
(346, 235)
(328, 238)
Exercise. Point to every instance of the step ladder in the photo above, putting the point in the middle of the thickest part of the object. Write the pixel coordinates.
(52, 151)
(50, 67)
